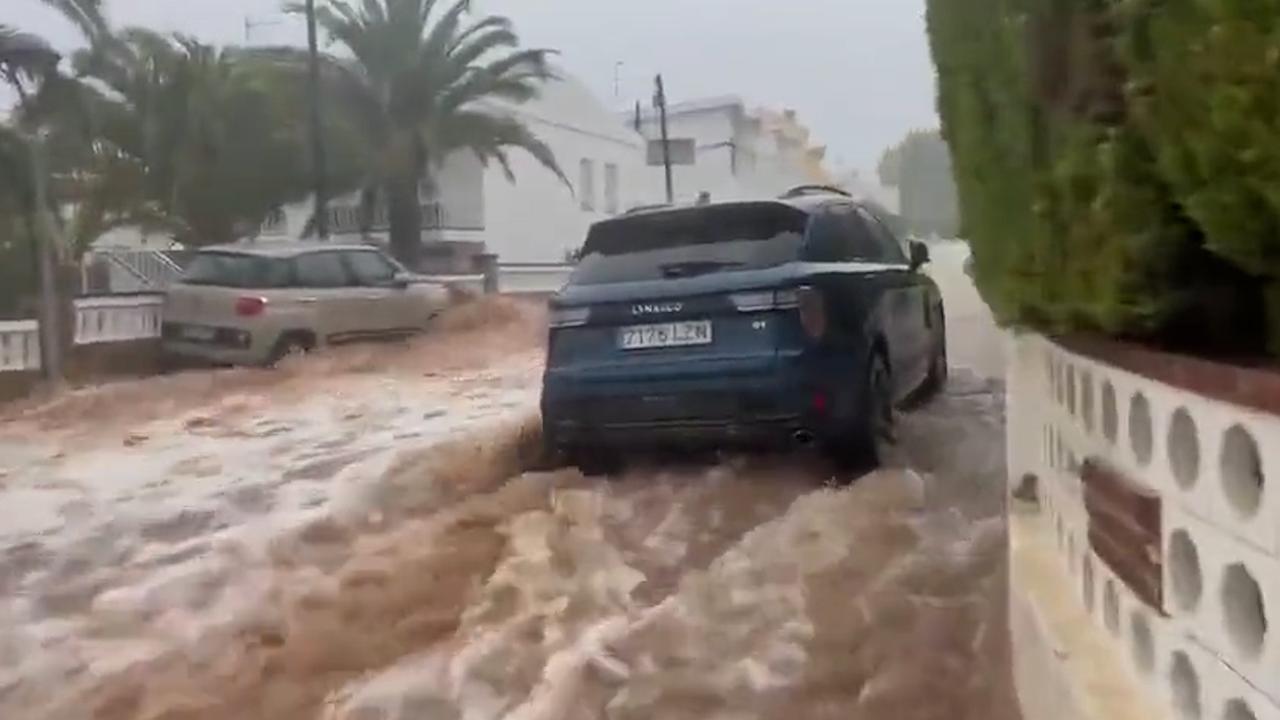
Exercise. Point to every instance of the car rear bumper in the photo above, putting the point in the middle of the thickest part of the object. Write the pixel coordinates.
(215, 354)
(780, 407)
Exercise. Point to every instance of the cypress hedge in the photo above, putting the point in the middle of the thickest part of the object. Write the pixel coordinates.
(1118, 163)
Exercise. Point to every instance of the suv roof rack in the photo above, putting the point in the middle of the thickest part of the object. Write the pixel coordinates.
(801, 190)
(646, 208)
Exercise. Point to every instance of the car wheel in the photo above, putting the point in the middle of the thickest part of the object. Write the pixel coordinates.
(289, 346)
(876, 428)
(939, 368)
(595, 463)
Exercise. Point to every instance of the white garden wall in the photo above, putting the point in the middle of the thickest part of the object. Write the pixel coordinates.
(1212, 651)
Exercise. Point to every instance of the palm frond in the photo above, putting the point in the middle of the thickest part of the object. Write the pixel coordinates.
(86, 15)
(24, 56)
(490, 135)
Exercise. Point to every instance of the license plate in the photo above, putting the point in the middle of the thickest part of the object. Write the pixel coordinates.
(680, 334)
(195, 332)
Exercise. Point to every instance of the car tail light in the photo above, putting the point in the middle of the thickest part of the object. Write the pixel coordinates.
(250, 306)
(567, 317)
(813, 312)
(760, 300)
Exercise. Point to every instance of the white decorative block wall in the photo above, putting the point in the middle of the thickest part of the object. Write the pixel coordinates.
(1213, 650)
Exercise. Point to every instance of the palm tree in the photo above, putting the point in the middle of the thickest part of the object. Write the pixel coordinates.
(420, 85)
(195, 140)
(28, 63)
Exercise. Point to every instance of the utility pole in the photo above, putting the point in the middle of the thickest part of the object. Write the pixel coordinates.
(660, 102)
(317, 132)
(617, 80)
(50, 310)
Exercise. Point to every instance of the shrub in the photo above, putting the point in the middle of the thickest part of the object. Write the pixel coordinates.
(1116, 164)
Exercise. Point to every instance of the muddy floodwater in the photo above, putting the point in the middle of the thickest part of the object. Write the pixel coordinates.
(369, 535)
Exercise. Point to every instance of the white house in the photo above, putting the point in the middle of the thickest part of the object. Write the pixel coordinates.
(537, 218)
(738, 153)
(541, 218)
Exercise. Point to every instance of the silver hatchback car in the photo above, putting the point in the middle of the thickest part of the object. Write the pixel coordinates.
(251, 304)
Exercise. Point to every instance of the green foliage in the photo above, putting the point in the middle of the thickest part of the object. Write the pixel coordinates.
(920, 167)
(1116, 162)
(425, 81)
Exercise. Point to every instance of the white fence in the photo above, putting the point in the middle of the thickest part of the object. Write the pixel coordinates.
(19, 345)
(117, 319)
(1212, 648)
(138, 317)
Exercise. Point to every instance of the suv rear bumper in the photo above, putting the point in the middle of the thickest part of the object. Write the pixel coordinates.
(778, 407)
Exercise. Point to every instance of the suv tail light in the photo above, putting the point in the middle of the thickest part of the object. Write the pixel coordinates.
(569, 317)
(249, 306)
(813, 312)
(760, 300)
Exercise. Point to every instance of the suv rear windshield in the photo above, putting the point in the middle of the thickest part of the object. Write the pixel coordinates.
(685, 243)
(237, 270)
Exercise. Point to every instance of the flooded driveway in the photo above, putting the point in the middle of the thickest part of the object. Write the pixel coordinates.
(365, 536)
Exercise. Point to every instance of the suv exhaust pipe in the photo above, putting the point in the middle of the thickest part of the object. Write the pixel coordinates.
(803, 438)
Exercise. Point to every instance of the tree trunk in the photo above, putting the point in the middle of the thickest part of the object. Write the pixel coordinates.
(42, 228)
(405, 218)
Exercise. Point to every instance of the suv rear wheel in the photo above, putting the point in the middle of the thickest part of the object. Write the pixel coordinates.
(874, 432)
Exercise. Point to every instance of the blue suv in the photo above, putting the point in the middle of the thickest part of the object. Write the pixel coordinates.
(792, 321)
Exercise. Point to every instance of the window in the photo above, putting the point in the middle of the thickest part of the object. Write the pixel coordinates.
(847, 234)
(587, 185)
(370, 268)
(321, 270)
(236, 270)
(889, 246)
(611, 188)
(828, 239)
(686, 243)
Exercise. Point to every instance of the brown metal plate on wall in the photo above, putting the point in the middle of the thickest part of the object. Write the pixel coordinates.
(1124, 529)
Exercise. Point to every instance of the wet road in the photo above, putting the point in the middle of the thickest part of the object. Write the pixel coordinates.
(356, 539)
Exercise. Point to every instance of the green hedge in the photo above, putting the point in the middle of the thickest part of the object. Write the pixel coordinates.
(1118, 162)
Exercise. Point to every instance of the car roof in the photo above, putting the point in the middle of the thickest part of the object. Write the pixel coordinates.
(807, 203)
(284, 249)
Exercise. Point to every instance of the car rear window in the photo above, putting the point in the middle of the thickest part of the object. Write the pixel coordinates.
(237, 270)
(685, 243)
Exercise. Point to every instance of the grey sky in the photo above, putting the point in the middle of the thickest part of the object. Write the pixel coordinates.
(857, 71)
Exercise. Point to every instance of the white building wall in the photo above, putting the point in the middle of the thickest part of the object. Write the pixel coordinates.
(540, 218)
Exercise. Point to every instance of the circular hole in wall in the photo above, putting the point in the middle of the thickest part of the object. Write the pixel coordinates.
(1110, 415)
(1140, 428)
(1071, 389)
(1245, 610)
(1241, 467)
(1184, 571)
(1184, 449)
(1111, 607)
(1086, 401)
(1237, 709)
(1185, 684)
(1086, 584)
(1143, 643)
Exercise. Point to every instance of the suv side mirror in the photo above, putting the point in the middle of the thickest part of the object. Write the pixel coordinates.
(919, 254)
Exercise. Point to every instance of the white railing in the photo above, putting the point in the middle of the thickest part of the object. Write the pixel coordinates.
(1211, 646)
(532, 279)
(141, 270)
(19, 345)
(117, 319)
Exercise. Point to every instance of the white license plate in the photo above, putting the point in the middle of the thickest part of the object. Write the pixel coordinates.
(195, 332)
(680, 334)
